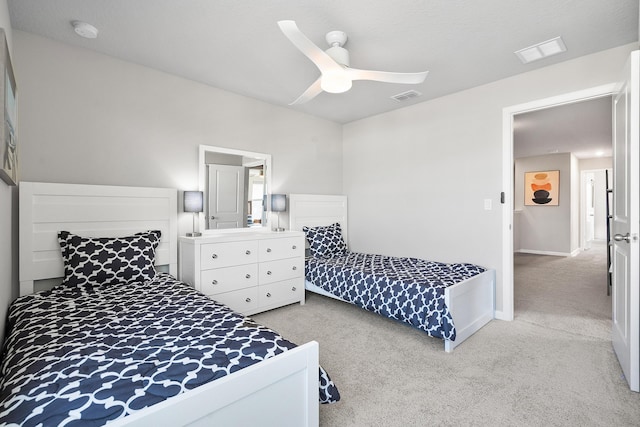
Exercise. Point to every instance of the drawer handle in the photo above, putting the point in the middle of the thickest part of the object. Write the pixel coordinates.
(268, 250)
(293, 289)
(248, 300)
(294, 247)
(248, 276)
(248, 252)
(214, 256)
(295, 268)
(268, 295)
(269, 273)
(214, 282)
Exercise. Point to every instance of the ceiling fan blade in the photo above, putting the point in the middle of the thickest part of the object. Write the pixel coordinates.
(311, 92)
(386, 76)
(319, 57)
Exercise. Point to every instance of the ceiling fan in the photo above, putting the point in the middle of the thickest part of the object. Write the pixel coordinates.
(336, 76)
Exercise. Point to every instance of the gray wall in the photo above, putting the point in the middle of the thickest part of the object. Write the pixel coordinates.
(8, 214)
(417, 178)
(92, 119)
(545, 229)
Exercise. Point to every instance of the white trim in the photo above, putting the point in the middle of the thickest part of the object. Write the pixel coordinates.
(550, 253)
(507, 177)
(313, 210)
(282, 389)
(91, 211)
(499, 314)
(202, 184)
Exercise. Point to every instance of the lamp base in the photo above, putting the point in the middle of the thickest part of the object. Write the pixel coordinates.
(278, 229)
(194, 234)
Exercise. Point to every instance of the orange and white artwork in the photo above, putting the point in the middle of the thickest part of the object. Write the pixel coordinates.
(541, 188)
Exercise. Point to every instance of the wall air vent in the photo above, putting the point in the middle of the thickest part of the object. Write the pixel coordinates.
(405, 96)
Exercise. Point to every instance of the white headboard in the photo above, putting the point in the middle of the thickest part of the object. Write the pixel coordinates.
(314, 210)
(91, 211)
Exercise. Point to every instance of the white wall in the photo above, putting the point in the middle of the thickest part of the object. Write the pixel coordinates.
(600, 204)
(89, 118)
(575, 206)
(8, 216)
(598, 165)
(417, 177)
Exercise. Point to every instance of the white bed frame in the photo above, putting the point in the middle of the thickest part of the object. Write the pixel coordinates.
(471, 302)
(282, 390)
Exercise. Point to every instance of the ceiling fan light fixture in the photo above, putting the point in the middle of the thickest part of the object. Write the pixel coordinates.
(335, 82)
(339, 54)
(336, 76)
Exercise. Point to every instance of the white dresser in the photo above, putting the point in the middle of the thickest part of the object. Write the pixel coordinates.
(248, 271)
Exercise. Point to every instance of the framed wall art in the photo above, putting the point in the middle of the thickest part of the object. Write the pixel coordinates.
(9, 143)
(542, 188)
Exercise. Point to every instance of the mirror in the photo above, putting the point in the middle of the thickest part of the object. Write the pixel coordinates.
(235, 184)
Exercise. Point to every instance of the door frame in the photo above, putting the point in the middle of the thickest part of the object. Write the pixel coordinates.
(507, 312)
(584, 210)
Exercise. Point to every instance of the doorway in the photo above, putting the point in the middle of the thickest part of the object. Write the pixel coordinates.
(506, 291)
(594, 211)
(557, 284)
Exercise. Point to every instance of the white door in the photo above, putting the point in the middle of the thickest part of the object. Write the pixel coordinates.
(589, 210)
(226, 205)
(625, 295)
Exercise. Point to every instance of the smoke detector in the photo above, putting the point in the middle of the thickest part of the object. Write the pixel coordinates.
(85, 30)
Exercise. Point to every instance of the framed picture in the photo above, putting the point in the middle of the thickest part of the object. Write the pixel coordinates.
(9, 143)
(541, 188)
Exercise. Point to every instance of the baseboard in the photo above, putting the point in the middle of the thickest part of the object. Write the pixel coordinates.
(535, 252)
(500, 315)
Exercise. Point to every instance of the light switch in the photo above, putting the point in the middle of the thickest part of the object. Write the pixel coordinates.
(487, 204)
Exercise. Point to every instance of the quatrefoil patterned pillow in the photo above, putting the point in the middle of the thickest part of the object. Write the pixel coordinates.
(93, 261)
(325, 241)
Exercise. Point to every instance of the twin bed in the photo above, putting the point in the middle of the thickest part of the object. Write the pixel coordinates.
(122, 341)
(447, 301)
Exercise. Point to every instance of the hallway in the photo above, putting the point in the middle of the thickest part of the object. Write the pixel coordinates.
(564, 293)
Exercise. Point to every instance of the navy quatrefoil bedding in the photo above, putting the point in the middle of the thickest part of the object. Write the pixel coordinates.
(410, 290)
(85, 355)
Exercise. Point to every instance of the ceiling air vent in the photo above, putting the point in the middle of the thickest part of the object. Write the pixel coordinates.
(405, 96)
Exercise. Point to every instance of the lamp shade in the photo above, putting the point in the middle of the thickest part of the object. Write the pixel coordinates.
(193, 201)
(278, 202)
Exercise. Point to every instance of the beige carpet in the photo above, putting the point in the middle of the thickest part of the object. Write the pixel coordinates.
(552, 366)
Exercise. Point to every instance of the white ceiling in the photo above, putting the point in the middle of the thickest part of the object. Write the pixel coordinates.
(582, 128)
(236, 45)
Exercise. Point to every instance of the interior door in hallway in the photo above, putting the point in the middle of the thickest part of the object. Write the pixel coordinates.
(226, 197)
(626, 278)
(589, 209)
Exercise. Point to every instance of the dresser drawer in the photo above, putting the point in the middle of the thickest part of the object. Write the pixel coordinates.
(227, 279)
(275, 271)
(215, 255)
(242, 301)
(290, 247)
(275, 294)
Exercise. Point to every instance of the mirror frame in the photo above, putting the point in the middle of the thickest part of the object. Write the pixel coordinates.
(202, 186)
